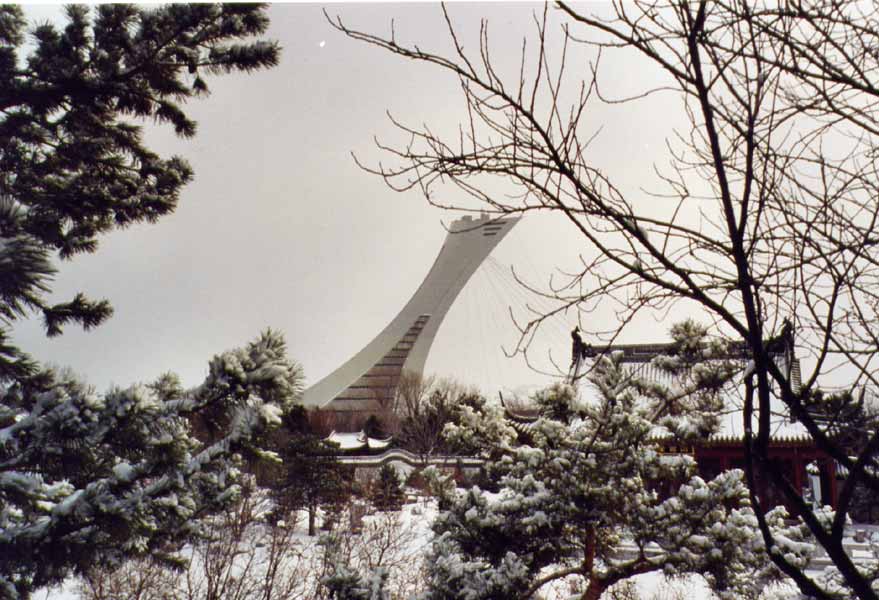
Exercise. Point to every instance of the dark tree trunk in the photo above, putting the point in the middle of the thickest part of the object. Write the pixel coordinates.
(594, 590)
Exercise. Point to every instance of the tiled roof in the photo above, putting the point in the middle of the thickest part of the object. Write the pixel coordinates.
(356, 441)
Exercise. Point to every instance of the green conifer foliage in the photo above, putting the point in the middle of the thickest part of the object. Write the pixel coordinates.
(310, 476)
(73, 164)
(89, 478)
(387, 490)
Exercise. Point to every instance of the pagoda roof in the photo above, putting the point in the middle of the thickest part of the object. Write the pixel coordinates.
(645, 352)
(357, 441)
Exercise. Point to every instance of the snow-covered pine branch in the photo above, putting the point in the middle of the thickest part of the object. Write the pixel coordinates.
(88, 479)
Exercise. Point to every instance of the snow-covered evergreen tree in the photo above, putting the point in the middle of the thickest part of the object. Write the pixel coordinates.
(91, 478)
(578, 502)
(72, 160)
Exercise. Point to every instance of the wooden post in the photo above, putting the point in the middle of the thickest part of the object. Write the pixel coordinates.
(799, 470)
(831, 472)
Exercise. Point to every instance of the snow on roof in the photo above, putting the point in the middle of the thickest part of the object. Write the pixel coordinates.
(732, 420)
(356, 441)
(732, 425)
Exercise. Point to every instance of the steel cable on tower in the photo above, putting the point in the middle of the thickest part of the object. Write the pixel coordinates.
(554, 330)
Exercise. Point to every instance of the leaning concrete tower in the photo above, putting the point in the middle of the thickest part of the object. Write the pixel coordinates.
(368, 381)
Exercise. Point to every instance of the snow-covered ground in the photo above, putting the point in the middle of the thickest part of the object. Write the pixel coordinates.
(65, 592)
(405, 537)
(652, 586)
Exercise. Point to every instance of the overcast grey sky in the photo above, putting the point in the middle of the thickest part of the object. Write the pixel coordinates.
(281, 229)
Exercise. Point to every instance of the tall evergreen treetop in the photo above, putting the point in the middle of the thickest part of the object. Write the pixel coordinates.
(72, 160)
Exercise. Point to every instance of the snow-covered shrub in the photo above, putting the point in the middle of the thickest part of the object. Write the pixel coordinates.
(244, 555)
(251, 554)
(347, 584)
(388, 548)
